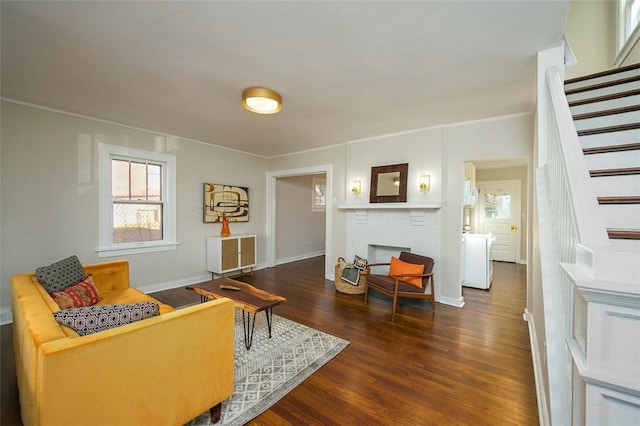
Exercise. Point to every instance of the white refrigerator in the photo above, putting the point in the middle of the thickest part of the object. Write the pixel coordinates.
(478, 265)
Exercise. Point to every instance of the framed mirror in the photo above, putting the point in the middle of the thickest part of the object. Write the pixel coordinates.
(389, 183)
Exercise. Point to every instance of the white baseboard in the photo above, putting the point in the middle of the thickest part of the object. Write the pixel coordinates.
(184, 282)
(522, 261)
(6, 316)
(536, 355)
(458, 303)
(299, 257)
(174, 284)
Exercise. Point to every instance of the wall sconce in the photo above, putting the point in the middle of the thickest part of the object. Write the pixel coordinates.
(425, 183)
(356, 187)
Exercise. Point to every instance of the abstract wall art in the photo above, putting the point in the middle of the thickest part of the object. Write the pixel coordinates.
(232, 201)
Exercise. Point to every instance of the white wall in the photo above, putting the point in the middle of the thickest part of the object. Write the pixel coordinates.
(422, 149)
(50, 195)
(591, 31)
(500, 138)
(300, 232)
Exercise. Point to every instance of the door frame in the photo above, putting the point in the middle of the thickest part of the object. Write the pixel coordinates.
(518, 235)
(270, 237)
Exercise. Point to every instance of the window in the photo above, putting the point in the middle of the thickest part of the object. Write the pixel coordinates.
(318, 200)
(628, 32)
(137, 201)
(631, 16)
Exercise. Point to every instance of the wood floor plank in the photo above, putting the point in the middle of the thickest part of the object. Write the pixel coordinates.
(469, 366)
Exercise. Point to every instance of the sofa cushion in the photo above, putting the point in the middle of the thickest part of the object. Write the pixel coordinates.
(131, 295)
(78, 295)
(60, 275)
(92, 319)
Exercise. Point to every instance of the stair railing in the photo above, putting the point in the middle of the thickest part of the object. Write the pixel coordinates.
(578, 198)
(568, 216)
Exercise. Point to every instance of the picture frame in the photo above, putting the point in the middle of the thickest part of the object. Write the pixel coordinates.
(389, 183)
(228, 200)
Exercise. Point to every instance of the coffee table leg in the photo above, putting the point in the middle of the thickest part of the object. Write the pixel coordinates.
(269, 313)
(248, 328)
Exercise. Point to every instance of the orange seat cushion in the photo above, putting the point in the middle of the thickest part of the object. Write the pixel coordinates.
(398, 267)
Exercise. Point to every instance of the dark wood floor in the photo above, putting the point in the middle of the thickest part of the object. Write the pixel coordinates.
(469, 366)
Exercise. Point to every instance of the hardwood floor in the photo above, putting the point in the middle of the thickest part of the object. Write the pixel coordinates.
(453, 366)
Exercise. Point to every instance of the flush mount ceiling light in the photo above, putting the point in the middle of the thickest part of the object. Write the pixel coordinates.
(261, 100)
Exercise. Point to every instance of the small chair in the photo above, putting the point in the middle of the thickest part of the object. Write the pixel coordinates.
(394, 286)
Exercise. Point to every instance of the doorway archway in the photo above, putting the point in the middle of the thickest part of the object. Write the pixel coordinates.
(270, 237)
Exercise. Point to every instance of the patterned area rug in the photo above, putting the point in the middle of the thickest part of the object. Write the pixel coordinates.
(272, 367)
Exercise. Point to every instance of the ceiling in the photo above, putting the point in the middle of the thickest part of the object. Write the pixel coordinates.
(346, 70)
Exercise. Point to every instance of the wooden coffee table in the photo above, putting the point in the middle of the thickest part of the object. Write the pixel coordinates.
(248, 298)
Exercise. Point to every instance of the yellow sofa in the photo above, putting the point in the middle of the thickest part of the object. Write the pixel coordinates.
(164, 370)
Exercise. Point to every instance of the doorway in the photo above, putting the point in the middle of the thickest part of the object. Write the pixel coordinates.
(272, 204)
(499, 212)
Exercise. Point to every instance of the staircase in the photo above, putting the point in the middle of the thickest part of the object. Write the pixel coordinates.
(588, 189)
(606, 112)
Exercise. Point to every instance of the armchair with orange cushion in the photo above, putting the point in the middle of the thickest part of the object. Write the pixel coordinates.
(410, 276)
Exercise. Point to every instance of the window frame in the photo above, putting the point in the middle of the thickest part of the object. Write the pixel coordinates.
(107, 247)
(626, 39)
(318, 206)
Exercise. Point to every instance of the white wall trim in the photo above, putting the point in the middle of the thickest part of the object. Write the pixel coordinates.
(442, 126)
(458, 303)
(627, 47)
(126, 126)
(543, 411)
(6, 316)
(169, 285)
(174, 284)
(270, 233)
(299, 257)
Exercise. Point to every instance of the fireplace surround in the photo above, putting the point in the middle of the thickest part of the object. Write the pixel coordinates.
(379, 233)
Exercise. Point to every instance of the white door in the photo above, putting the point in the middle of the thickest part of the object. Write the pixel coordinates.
(499, 212)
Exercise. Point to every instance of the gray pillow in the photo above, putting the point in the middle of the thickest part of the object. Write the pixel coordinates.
(60, 275)
(92, 319)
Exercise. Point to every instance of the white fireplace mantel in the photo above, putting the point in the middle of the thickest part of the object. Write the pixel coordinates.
(417, 211)
(389, 206)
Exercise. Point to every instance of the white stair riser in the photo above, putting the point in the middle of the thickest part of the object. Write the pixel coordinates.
(603, 79)
(608, 139)
(613, 160)
(612, 186)
(621, 216)
(608, 120)
(604, 91)
(605, 105)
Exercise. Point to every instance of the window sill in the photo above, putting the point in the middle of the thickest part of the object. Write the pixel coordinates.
(123, 251)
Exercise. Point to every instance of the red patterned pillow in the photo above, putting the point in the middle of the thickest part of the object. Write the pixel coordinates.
(84, 293)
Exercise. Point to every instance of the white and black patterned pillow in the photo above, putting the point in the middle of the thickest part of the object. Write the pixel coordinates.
(92, 319)
(60, 275)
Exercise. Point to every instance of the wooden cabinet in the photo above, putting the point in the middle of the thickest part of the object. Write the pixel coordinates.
(233, 253)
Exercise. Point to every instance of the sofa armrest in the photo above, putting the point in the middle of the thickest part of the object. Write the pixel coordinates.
(163, 370)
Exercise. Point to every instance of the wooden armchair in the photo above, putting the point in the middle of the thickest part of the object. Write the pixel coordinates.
(395, 287)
